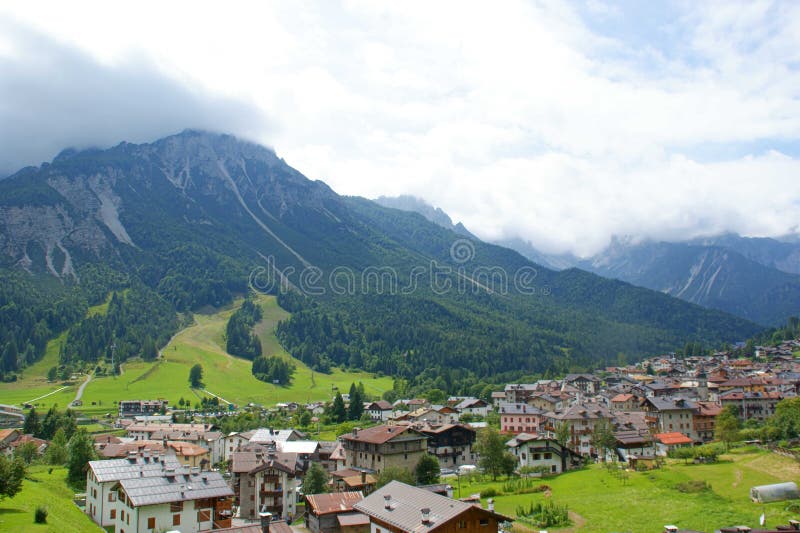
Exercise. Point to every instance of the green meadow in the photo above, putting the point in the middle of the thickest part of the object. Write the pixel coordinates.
(203, 342)
(601, 501)
(44, 486)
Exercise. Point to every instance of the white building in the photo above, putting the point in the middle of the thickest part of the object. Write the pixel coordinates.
(102, 476)
(180, 499)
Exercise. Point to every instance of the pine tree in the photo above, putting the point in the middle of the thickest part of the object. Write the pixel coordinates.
(80, 450)
(356, 407)
(316, 480)
(32, 425)
(338, 411)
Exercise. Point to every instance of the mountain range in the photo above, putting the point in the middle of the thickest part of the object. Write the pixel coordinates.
(196, 218)
(754, 278)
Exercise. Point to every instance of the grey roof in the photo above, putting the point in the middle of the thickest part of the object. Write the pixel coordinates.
(182, 486)
(671, 403)
(117, 469)
(405, 504)
(519, 409)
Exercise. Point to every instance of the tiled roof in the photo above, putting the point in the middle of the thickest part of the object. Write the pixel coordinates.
(182, 485)
(672, 438)
(379, 434)
(138, 466)
(337, 502)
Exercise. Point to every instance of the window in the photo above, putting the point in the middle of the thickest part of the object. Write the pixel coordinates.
(548, 456)
(122, 516)
(462, 524)
(114, 514)
(484, 522)
(111, 497)
(151, 522)
(176, 520)
(176, 507)
(204, 515)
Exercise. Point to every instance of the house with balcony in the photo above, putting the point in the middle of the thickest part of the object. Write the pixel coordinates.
(452, 444)
(545, 454)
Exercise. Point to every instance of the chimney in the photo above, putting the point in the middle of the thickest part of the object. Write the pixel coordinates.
(363, 478)
(355, 432)
(265, 519)
(387, 502)
(490, 504)
(426, 515)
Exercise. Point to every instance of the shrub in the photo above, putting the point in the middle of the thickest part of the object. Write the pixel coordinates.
(491, 492)
(40, 515)
(693, 486)
(545, 514)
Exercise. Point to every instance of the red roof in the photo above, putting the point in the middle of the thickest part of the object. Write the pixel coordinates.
(673, 438)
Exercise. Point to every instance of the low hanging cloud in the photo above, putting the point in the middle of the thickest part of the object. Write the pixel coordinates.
(563, 123)
(54, 96)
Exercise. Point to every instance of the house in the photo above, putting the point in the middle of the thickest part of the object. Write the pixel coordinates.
(352, 480)
(430, 415)
(546, 401)
(7, 436)
(187, 454)
(634, 443)
(705, 420)
(624, 402)
(40, 444)
(102, 476)
(670, 414)
(586, 383)
(181, 499)
(451, 444)
(752, 405)
(134, 408)
(519, 392)
(473, 407)
(497, 397)
(520, 418)
(380, 447)
(203, 435)
(232, 442)
(264, 480)
(669, 441)
(380, 411)
(324, 511)
(533, 451)
(581, 419)
(397, 507)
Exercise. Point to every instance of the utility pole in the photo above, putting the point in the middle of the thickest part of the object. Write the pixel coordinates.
(113, 366)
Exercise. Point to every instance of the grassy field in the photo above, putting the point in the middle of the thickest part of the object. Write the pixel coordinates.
(224, 375)
(49, 490)
(601, 501)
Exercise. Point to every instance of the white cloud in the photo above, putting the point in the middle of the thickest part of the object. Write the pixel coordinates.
(514, 117)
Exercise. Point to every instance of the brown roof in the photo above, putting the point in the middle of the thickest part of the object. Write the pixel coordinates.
(355, 481)
(377, 434)
(337, 502)
(5, 433)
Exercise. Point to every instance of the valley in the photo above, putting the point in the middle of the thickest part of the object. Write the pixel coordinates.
(201, 343)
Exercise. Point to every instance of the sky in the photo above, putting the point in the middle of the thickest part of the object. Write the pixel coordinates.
(562, 123)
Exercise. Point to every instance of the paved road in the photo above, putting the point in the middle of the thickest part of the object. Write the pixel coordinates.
(80, 389)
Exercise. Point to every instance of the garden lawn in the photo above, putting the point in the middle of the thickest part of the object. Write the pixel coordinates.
(49, 490)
